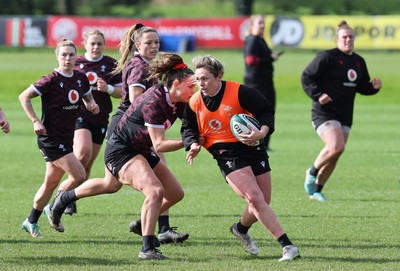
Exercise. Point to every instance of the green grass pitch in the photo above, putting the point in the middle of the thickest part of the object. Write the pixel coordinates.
(358, 229)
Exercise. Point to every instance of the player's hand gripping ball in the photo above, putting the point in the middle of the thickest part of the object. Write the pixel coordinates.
(239, 125)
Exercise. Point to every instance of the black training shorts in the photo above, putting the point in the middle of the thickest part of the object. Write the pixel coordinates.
(50, 150)
(116, 156)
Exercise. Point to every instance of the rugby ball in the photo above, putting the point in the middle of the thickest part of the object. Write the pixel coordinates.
(239, 125)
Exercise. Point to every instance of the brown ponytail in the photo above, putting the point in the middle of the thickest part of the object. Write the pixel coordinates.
(131, 37)
(168, 68)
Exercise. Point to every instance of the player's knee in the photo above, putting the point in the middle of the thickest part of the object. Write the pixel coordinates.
(80, 177)
(178, 195)
(156, 194)
(337, 150)
(114, 187)
(256, 201)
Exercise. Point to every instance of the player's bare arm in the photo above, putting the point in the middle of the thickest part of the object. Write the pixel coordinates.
(195, 148)
(162, 144)
(134, 92)
(91, 104)
(25, 100)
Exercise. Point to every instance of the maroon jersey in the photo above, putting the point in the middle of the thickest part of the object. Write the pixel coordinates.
(151, 109)
(61, 99)
(94, 69)
(134, 74)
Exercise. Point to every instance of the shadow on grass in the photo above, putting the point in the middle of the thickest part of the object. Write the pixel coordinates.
(238, 215)
(60, 261)
(346, 244)
(65, 260)
(353, 260)
(372, 200)
(97, 261)
(102, 241)
(107, 241)
(137, 215)
(222, 248)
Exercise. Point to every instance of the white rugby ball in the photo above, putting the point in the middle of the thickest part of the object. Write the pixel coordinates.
(239, 125)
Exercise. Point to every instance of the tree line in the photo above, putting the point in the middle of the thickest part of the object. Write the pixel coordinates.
(126, 8)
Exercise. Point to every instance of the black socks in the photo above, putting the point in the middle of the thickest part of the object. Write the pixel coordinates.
(69, 197)
(314, 171)
(242, 229)
(148, 243)
(34, 215)
(163, 223)
(318, 188)
(284, 241)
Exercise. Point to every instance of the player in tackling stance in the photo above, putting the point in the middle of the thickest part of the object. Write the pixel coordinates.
(129, 157)
(245, 168)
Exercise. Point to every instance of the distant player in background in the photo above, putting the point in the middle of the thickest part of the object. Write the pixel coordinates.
(332, 80)
(62, 92)
(5, 125)
(130, 158)
(259, 60)
(90, 129)
(244, 167)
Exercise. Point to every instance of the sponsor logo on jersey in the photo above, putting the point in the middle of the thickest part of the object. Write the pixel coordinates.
(92, 76)
(73, 96)
(71, 107)
(352, 75)
(215, 124)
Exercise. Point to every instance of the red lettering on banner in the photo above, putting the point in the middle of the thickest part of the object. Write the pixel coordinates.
(209, 33)
(74, 27)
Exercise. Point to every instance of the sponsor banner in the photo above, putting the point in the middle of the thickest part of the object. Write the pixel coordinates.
(3, 29)
(24, 31)
(14, 31)
(225, 33)
(319, 32)
(209, 33)
(73, 28)
(303, 32)
(34, 32)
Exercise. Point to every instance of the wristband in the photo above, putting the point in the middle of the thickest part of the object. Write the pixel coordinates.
(110, 89)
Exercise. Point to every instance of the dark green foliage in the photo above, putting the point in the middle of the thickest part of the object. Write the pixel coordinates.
(214, 8)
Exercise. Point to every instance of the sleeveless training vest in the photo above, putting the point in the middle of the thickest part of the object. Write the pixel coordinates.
(215, 126)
